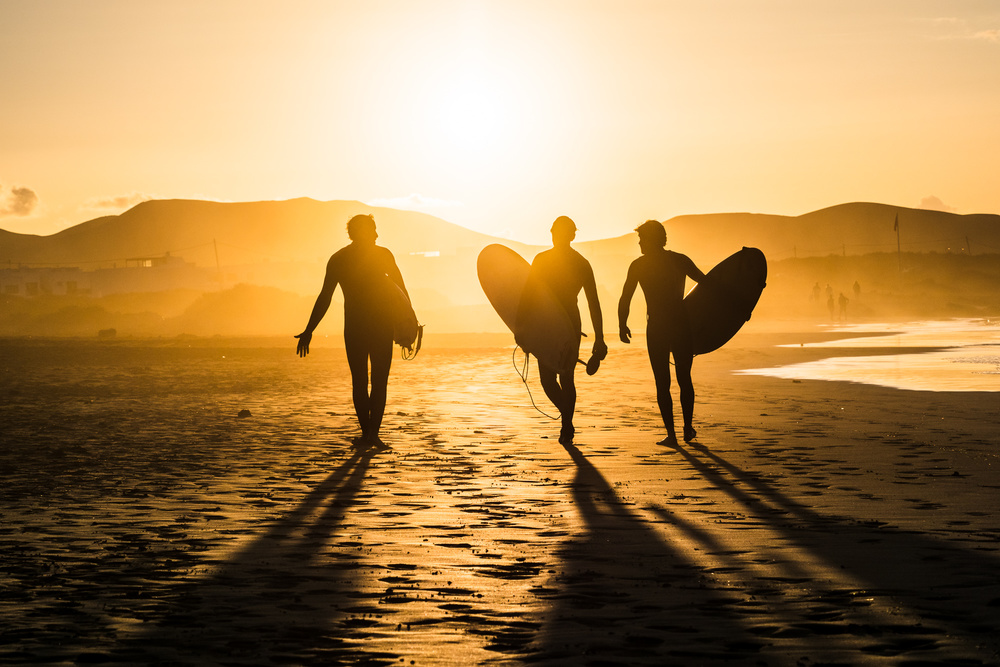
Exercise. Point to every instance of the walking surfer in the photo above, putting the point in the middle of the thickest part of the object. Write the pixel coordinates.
(361, 269)
(661, 273)
(565, 272)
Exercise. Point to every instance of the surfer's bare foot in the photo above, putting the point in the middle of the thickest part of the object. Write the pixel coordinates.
(376, 442)
(566, 435)
(366, 441)
(669, 441)
(689, 433)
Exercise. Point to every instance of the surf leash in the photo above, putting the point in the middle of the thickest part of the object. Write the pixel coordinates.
(410, 353)
(523, 374)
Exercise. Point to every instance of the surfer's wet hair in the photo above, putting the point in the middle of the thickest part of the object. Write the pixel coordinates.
(654, 231)
(563, 224)
(359, 222)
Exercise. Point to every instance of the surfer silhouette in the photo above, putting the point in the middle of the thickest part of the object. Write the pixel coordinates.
(565, 272)
(361, 269)
(661, 274)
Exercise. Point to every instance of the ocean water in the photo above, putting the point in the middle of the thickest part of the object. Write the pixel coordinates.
(952, 355)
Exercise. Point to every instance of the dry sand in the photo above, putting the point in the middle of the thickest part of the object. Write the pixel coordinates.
(812, 523)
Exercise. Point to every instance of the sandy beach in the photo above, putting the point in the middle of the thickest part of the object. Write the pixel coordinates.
(813, 523)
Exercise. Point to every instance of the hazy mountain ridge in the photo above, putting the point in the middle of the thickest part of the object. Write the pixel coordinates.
(272, 257)
(846, 229)
(244, 232)
(309, 230)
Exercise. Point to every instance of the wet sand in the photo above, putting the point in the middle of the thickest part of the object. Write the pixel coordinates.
(812, 523)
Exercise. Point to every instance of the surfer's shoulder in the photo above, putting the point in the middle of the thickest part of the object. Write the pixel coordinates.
(679, 257)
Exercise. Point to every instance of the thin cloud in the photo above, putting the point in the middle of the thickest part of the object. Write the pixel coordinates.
(19, 201)
(932, 203)
(414, 202)
(117, 202)
(959, 29)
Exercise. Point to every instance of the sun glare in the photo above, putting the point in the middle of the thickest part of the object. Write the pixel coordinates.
(470, 115)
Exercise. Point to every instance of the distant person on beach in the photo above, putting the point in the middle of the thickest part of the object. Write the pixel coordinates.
(661, 273)
(830, 305)
(361, 269)
(815, 292)
(565, 272)
(857, 290)
(842, 301)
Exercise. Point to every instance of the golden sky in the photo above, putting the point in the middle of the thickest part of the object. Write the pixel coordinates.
(499, 116)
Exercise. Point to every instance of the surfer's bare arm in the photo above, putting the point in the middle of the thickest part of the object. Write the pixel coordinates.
(596, 317)
(625, 302)
(392, 271)
(319, 308)
(695, 274)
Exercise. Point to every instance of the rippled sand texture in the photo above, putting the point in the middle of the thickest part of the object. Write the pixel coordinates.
(814, 522)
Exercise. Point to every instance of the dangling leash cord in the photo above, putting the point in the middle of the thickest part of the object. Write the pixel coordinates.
(411, 355)
(523, 374)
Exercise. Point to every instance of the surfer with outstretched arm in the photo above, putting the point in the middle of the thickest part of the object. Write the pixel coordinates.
(360, 268)
(661, 273)
(565, 272)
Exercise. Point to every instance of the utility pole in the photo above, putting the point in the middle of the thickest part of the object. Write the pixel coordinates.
(899, 252)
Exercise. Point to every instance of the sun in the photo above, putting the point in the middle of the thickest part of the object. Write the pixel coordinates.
(471, 114)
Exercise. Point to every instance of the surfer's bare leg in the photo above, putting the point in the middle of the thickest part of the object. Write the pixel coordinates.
(381, 361)
(568, 382)
(659, 360)
(550, 385)
(357, 360)
(682, 366)
(560, 388)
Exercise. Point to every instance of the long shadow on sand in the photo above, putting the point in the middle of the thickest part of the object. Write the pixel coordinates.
(944, 597)
(625, 596)
(283, 598)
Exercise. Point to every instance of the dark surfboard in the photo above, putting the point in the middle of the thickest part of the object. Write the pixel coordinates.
(545, 330)
(719, 306)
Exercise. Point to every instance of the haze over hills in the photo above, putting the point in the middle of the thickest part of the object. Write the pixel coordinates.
(846, 229)
(284, 245)
(244, 232)
(308, 230)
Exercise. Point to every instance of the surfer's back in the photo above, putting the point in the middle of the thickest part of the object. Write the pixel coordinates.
(662, 278)
(359, 270)
(565, 272)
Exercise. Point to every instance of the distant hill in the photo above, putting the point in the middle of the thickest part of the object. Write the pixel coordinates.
(243, 233)
(278, 243)
(304, 229)
(285, 245)
(308, 230)
(846, 229)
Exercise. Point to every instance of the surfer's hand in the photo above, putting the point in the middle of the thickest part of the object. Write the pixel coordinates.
(600, 349)
(302, 349)
(624, 334)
